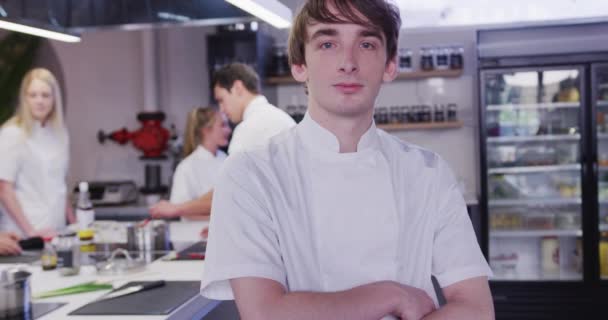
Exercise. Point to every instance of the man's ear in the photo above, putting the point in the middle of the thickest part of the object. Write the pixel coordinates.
(299, 72)
(390, 70)
(237, 87)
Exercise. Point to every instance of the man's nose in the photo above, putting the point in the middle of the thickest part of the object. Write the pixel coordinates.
(349, 61)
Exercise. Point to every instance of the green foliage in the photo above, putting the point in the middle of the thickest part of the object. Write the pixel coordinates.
(17, 53)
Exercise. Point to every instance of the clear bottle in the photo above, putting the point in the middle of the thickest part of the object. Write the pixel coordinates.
(49, 256)
(68, 254)
(85, 214)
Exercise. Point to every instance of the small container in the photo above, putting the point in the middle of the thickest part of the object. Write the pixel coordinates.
(403, 111)
(412, 115)
(457, 58)
(382, 115)
(426, 59)
(405, 60)
(452, 112)
(442, 58)
(439, 113)
(394, 114)
(68, 254)
(425, 114)
(550, 255)
(48, 258)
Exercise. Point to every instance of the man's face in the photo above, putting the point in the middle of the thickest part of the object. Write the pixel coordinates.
(345, 66)
(229, 103)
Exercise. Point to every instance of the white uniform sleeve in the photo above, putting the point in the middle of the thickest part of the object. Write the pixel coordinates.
(12, 147)
(456, 253)
(242, 237)
(179, 188)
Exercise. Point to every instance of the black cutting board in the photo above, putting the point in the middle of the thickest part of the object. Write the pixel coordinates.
(158, 301)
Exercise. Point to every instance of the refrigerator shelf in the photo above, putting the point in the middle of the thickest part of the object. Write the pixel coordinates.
(535, 202)
(602, 103)
(532, 169)
(603, 227)
(602, 135)
(536, 233)
(547, 137)
(534, 106)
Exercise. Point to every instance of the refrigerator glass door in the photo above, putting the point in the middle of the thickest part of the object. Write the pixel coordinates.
(533, 140)
(600, 102)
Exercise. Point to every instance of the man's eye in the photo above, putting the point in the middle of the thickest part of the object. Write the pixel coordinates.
(326, 45)
(368, 45)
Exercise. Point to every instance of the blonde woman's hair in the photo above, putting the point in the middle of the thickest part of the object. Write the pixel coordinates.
(23, 115)
(198, 118)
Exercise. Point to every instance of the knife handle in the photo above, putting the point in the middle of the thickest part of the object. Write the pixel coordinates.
(152, 285)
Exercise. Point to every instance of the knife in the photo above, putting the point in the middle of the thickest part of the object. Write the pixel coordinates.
(133, 289)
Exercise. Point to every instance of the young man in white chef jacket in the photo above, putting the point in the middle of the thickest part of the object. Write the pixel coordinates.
(336, 219)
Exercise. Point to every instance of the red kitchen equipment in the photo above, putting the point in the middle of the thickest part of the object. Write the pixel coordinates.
(151, 138)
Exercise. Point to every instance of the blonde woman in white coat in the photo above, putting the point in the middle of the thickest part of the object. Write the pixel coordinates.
(206, 131)
(34, 146)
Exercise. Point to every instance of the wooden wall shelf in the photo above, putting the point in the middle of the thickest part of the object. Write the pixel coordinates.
(420, 126)
(415, 75)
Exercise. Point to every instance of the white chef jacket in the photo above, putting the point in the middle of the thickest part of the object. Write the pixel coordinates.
(299, 212)
(37, 166)
(261, 121)
(196, 174)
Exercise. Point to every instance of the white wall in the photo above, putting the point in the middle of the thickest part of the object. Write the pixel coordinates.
(102, 78)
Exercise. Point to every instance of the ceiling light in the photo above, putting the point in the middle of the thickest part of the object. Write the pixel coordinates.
(40, 32)
(271, 11)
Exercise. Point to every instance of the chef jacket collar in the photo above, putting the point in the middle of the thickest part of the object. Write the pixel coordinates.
(319, 139)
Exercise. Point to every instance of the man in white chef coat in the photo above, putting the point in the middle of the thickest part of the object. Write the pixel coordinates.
(335, 219)
(236, 87)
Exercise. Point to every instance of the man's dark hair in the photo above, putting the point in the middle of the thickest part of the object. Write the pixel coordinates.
(228, 74)
(375, 14)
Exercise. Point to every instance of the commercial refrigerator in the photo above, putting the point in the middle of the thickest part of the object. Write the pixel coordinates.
(544, 168)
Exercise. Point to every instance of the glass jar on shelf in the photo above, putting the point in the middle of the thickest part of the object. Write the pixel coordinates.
(426, 59)
(457, 57)
(405, 60)
(442, 58)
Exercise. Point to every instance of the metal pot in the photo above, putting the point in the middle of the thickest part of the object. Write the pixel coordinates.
(15, 292)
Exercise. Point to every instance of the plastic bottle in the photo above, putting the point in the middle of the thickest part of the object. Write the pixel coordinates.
(84, 209)
(49, 255)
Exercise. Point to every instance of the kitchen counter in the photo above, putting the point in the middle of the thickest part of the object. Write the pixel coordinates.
(182, 234)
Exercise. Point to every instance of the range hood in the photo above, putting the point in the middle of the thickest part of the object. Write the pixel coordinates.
(76, 16)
